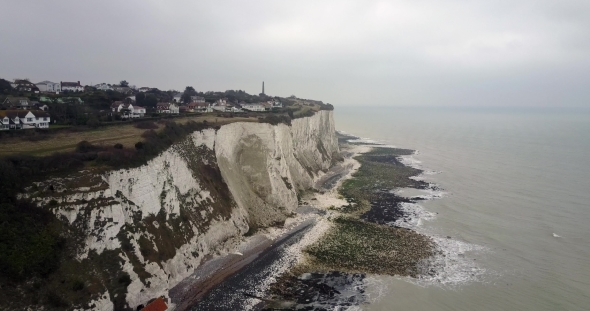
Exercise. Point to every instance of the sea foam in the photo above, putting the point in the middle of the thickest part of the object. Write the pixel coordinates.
(451, 266)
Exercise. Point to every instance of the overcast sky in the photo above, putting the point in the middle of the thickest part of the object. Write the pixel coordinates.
(404, 53)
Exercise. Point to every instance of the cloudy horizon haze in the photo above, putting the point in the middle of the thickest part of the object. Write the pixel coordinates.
(397, 53)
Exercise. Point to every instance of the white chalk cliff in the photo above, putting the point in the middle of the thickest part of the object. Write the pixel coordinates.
(159, 221)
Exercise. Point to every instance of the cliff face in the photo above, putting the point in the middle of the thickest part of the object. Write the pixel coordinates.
(265, 166)
(141, 231)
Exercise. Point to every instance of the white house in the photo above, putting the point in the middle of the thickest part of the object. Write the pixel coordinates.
(276, 104)
(122, 89)
(103, 87)
(49, 87)
(197, 99)
(199, 107)
(72, 86)
(167, 108)
(144, 89)
(128, 110)
(253, 107)
(178, 97)
(220, 105)
(23, 119)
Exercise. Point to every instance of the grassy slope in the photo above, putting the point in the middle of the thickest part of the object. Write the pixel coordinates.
(65, 141)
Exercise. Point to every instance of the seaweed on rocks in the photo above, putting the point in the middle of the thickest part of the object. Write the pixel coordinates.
(317, 291)
(385, 208)
(363, 238)
(357, 246)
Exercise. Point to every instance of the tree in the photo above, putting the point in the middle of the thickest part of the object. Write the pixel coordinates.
(188, 92)
(124, 83)
(5, 86)
(146, 100)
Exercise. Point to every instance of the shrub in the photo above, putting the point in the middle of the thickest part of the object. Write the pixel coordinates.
(139, 145)
(104, 157)
(276, 119)
(77, 286)
(125, 279)
(93, 122)
(118, 146)
(30, 244)
(85, 146)
(146, 125)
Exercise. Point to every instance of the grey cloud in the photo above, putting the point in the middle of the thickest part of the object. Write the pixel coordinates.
(421, 52)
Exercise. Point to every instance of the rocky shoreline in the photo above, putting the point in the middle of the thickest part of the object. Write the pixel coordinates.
(342, 232)
(363, 238)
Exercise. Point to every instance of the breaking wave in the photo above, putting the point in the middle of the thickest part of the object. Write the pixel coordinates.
(451, 266)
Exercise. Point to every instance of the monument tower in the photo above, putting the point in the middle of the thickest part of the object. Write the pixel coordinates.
(262, 87)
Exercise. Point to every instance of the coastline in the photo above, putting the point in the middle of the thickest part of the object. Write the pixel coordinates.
(276, 258)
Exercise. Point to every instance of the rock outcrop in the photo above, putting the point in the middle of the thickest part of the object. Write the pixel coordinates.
(149, 227)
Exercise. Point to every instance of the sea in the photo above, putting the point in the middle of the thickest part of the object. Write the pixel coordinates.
(509, 207)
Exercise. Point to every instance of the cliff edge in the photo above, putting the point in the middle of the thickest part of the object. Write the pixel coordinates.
(136, 233)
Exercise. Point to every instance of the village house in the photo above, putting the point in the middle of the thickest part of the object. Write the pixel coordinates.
(49, 87)
(103, 87)
(122, 89)
(253, 107)
(234, 108)
(23, 119)
(177, 97)
(220, 105)
(24, 85)
(197, 99)
(276, 104)
(144, 89)
(199, 107)
(17, 103)
(72, 86)
(128, 110)
(167, 108)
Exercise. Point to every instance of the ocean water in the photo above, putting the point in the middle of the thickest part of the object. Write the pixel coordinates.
(515, 202)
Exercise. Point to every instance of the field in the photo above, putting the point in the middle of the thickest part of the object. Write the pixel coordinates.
(65, 140)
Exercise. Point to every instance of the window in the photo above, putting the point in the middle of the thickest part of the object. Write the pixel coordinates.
(45, 119)
(29, 119)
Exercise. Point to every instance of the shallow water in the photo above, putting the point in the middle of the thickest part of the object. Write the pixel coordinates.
(516, 193)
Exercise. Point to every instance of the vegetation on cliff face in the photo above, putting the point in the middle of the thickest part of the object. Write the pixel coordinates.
(37, 251)
(39, 259)
(30, 242)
